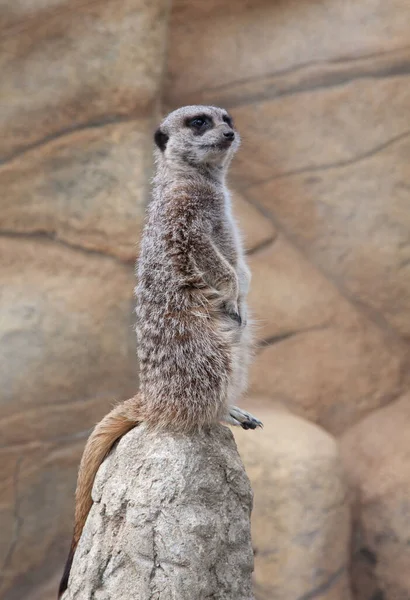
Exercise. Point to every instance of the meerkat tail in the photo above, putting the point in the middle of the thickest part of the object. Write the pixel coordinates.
(113, 426)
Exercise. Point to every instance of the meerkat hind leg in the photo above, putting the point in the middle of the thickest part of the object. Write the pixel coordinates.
(241, 418)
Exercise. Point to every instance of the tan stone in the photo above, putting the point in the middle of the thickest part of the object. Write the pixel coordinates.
(9, 465)
(354, 221)
(70, 64)
(87, 188)
(316, 129)
(332, 376)
(377, 461)
(47, 590)
(300, 519)
(170, 520)
(242, 40)
(287, 294)
(257, 229)
(67, 346)
(39, 513)
(319, 355)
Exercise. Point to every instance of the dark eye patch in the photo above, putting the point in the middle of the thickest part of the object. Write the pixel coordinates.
(228, 120)
(199, 123)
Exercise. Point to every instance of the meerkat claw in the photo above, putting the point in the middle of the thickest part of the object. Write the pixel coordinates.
(239, 417)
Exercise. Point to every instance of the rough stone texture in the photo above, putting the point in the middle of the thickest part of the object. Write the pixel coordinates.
(36, 512)
(300, 521)
(171, 519)
(79, 95)
(66, 338)
(353, 220)
(289, 139)
(258, 38)
(376, 454)
(318, 353)
(87, 188)
(67, 350)
(256, 229)
(320, 93)
(70, 64)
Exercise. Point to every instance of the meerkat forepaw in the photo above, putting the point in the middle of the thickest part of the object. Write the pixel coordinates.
(241, 418)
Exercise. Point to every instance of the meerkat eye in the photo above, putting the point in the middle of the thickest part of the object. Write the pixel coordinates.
(228, 120)
(199, 122)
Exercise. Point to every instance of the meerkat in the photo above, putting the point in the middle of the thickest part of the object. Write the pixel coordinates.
(191, 312)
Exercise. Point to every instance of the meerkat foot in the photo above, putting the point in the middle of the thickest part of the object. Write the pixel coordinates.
(241, 418)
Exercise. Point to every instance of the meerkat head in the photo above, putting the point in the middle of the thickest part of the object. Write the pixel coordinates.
(201, 136)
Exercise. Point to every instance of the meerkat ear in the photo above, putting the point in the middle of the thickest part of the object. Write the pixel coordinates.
(161, 138)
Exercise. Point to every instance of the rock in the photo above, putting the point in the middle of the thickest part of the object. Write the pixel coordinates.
(257, 39)
(171, 519)
(300, 520)
(67, 352)
(87, 188)
(36, 512)
(297, 137)
(319, 354)
(112, 62)
(256, 229)
(67, 346)
(287, 294)
(377, 461)
(353, 221)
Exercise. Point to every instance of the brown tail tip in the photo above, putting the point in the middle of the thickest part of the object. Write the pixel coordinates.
(64, 580)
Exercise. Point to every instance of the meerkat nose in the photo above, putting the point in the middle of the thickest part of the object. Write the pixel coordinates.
(229, 135)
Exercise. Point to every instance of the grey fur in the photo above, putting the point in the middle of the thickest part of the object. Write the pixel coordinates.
(192, 324)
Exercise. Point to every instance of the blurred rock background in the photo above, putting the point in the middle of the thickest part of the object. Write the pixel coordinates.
(320, 91)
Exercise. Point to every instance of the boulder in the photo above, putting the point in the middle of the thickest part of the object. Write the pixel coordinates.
(376, 456)
(171, 519)
(301, 518)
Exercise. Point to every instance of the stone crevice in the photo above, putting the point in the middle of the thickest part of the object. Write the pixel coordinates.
(369, 313)
(302, 66)
(276, 339)
(67, 131)
(44, 15)
(263, 245)
(18, 519)
(326, 167)
(42, 235)
(324, 587)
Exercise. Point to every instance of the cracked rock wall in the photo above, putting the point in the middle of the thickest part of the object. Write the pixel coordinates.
(79, 99)
(320, 92)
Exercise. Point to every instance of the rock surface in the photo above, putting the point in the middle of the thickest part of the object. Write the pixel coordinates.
(87, 188)
(318, 353)
(36, 511)
(259, 38)
(79, 95)
(67, 343)
(376, 455)
(68, 65)
(257, 230)
(352, 218)
(320, 94)
(67, 351)
(171, 519)
(300, 520)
